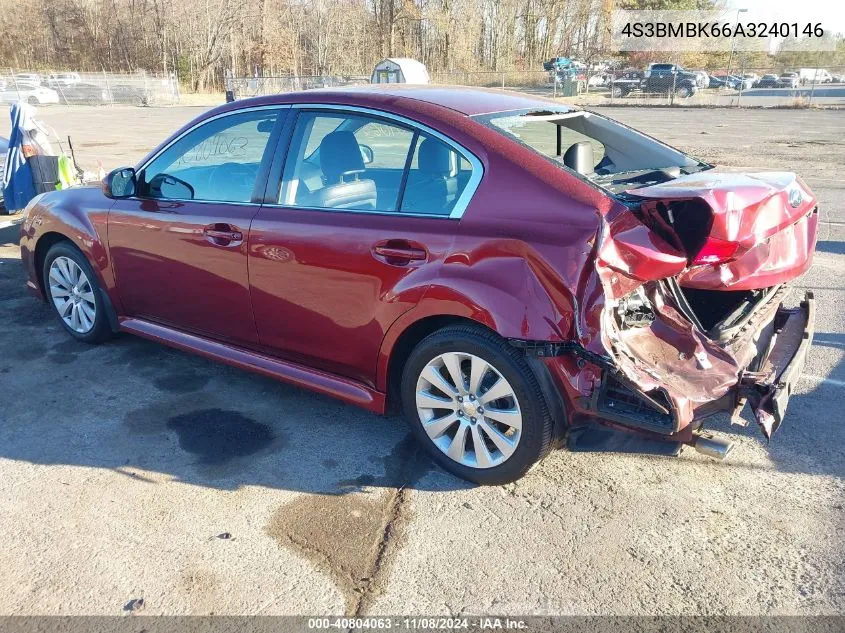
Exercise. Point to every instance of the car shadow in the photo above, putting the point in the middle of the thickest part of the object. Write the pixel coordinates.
(138, 407)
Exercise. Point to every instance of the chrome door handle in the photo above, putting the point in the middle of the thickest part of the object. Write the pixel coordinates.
(234, 236)
(400, 252)
(223, 235)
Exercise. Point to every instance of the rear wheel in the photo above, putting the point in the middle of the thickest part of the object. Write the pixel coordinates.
(72, 289)
(475, 404)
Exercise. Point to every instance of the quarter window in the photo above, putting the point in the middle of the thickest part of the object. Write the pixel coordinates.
(218, 161)
(437, 176)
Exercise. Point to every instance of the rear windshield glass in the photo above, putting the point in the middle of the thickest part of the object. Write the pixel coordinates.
(606, 153)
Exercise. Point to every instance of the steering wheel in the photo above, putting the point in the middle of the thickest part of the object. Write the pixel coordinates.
(227, 181)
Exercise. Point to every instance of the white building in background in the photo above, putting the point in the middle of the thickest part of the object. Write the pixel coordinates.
(400, 70)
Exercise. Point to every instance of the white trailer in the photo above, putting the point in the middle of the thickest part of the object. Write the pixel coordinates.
(400, 70)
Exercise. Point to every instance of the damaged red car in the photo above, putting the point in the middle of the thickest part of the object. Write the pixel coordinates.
(506, 270)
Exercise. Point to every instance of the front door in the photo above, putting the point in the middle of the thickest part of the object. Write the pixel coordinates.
(180, 247)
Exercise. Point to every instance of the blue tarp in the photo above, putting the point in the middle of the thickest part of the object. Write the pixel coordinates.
(18, 185)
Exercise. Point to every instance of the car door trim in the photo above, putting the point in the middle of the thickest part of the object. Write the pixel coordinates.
(461, 204)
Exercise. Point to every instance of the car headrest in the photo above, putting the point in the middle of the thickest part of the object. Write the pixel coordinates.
(579, 157)
(435, 158)
(340, 154)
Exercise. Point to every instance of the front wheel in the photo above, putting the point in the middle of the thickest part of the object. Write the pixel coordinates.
(475, 404)
(72, 289)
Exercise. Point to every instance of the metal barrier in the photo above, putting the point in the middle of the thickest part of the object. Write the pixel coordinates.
(80, 88)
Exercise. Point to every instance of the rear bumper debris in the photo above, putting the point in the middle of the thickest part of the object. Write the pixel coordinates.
(768, 390)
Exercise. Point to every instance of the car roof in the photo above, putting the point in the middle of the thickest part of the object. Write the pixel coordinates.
(468, 101)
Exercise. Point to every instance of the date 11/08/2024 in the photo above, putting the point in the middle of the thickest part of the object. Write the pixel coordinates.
(418, 623)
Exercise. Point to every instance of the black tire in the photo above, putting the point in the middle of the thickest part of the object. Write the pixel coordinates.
(617, 92)
(684, 92)
(101, 329)
(535, 439)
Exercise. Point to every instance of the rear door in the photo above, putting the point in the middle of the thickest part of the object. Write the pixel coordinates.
(180, 247)
(331, 260)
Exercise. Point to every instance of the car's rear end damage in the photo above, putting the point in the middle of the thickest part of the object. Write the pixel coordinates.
(692, 280)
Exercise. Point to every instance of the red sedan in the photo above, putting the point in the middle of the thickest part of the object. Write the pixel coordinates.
(506, 270)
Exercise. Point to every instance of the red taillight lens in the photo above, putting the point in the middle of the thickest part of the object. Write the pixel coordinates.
(716, 251)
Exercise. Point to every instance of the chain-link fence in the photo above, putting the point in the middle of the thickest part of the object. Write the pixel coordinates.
(243, 87)
(658, 84)
(737, 86)
(78, 88)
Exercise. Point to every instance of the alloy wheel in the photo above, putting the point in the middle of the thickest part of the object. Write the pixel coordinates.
(72, 295)
(469, 410)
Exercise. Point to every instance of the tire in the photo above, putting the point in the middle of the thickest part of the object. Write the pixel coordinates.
(616, 92)
(88, 294)
(520, 442)
(684, 92)
(33, 101)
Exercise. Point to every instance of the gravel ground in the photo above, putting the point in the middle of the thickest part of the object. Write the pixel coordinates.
(132, 471)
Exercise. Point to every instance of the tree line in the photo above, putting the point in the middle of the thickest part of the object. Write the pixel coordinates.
(198, 39)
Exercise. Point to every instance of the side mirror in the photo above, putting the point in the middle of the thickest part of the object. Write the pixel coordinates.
(120, 183)
(366, 154)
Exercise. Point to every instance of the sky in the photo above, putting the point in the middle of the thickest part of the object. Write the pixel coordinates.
(831, 13)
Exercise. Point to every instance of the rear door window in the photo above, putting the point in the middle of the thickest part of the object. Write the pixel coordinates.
(357, 162)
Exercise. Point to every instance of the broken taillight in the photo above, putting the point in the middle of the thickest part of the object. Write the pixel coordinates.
(716, 251)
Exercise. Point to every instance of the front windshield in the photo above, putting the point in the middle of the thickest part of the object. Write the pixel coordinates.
(605, 152)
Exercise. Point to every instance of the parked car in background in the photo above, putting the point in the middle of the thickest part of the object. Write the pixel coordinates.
(768, 81)
(814, 75)
(597, 80)
(717, 81)
(732, 82)
(82, 94)
(30, 93)
(504, 269)
(62, 79)
(128, 94)
(752, 77)
(27, 78)
(670, 78)
(625, 82)
(789, 80)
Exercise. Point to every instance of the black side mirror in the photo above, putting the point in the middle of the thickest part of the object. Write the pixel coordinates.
(120, 183)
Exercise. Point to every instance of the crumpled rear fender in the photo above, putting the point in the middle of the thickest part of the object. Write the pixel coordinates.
(517, 291)
(670, 355)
